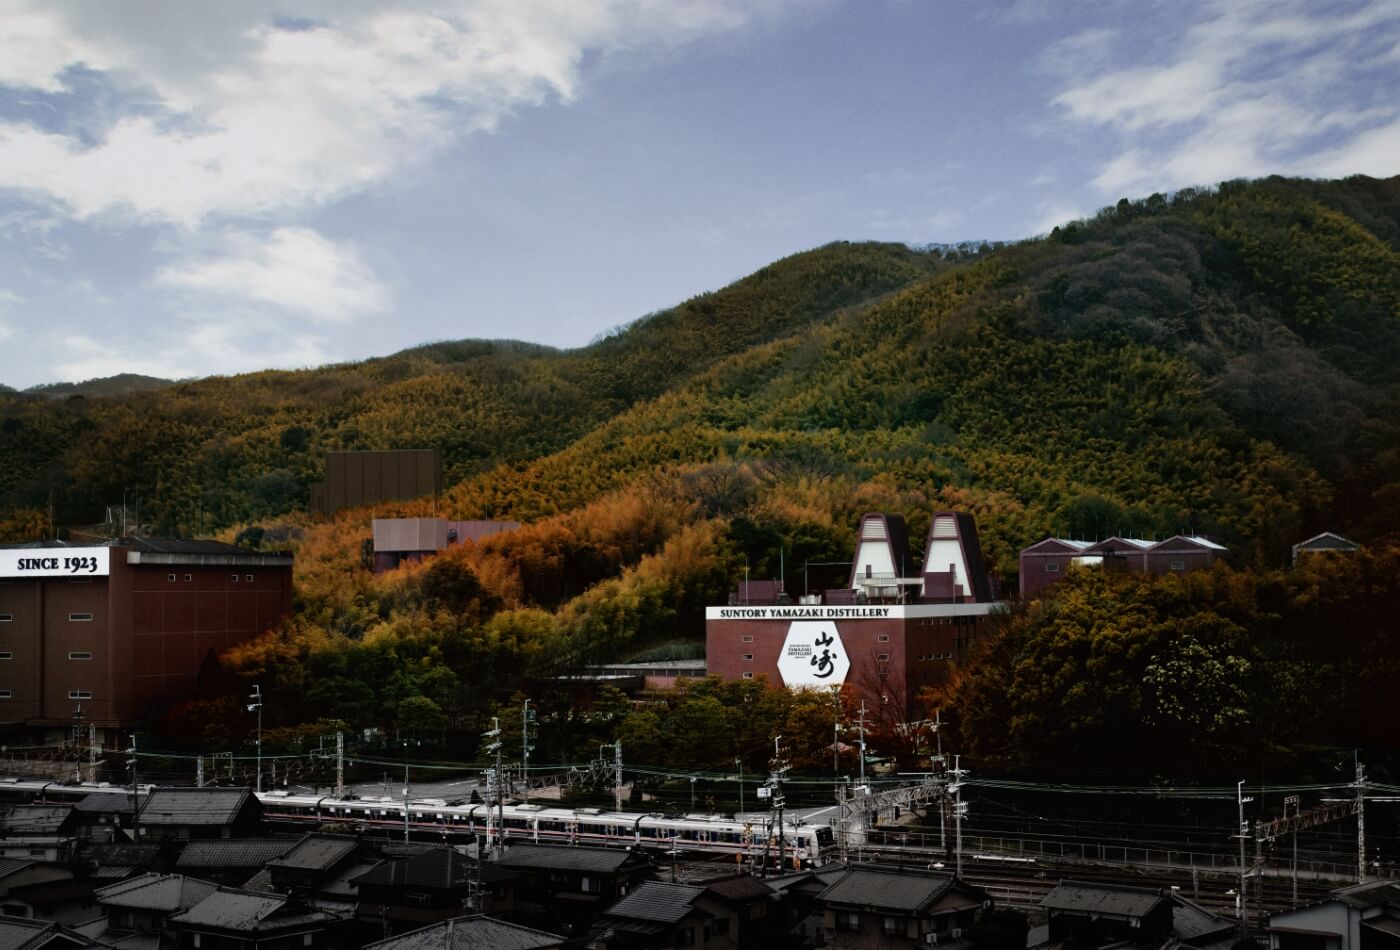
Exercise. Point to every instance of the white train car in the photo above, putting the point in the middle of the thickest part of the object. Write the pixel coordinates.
(802, 845)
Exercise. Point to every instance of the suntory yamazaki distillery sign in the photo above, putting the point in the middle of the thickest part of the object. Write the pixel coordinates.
(55, 562)
(813, 655)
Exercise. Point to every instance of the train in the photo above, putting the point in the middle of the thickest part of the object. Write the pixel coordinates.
(802, 844)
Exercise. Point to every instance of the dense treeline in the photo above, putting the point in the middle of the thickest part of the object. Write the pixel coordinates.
(1217, 361)
(1183, 677)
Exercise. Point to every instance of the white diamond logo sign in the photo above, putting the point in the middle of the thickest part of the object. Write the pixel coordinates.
(813, 655)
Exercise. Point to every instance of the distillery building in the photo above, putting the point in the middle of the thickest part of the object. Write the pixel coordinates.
(1047, 561)
(122, 627)
(896, 626)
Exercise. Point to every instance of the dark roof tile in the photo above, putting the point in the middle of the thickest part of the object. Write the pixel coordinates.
(232, 852)
(1118, 899)
(195, 806)
(596, 860)
(657, 902)
(471, 933)
(906, 891)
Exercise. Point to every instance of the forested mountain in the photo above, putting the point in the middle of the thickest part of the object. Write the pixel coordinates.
(1223, 361)
(212, 452)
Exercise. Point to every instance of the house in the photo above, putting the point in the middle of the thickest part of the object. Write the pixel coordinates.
(899, 908)
(229, 860)
(115, 862)
(797, 912)
(21, 933)
(471, 933)
(661, 915)
(1350, 918)
(567, 886)
(312, 862)
(17, 875)
(1324, 543)
(100, 815)
(38, 821)
(1091, 915)
(759, 924)
(190, 813)
(40, 832)
(145, 904)
(232, 919)
(431, 887)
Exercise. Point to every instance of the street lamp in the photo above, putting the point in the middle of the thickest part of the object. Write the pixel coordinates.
(256, 705)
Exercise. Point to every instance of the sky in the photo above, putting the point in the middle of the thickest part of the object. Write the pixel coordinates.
(190, 189)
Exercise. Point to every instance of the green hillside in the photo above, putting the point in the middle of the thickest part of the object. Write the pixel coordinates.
(208, 453)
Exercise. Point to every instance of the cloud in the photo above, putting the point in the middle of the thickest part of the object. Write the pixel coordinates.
(292, 268)
(1248, 89)
(8, 301)
(177, 353)
(252, 114)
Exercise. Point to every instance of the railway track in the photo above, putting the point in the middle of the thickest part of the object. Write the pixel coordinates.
(1025, 883)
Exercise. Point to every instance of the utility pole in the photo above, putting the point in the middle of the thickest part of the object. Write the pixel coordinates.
(739, 763)
(942, 766)
(777, 768)
(255, 705)
(526, 717)
(340, 765)
(959, 808)
(78, 744)
(494, 745)
(92, 750)
(199, 771)
(1293, 801)
(617, 775)
(135, 791)
(861, 723)
(836, 740)
(1360, 818)
(1241, 799)
(405, 790)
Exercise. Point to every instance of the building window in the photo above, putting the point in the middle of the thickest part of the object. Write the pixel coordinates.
(883, 638)
(171, 577)
(80, 618)
(195, 936)
(748, 656)
(5, 693)
(248, 578)
(893, 925)
(882, 657)
(721, 926)
(747, 639)
(685, 937)
(7, 655)
(6, 618)
(1052, 568)
(189, 577)
(748, 674)
(1178, 565)
(80, 694)
(234, 578)
(847, 920)
(307, 939)
(84, 655)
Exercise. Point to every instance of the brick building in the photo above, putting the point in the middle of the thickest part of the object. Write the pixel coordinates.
(894, 627)
(123, 626)
(1047, 561)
